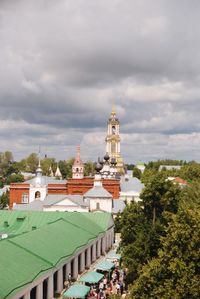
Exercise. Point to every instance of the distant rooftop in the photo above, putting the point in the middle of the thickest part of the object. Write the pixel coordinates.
(169, 167)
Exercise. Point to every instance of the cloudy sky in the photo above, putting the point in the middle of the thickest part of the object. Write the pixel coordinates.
(63, 63)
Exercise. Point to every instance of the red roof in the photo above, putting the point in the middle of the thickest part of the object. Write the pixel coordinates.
(180, 181)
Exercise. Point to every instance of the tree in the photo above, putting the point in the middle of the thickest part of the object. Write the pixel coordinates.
(190, 171)
(88, 168)
(4, 200)
(6, 159)
(175, 273)
(159, 195)
(117, 221)
(32, 162)
(46, 164)
(137, 173)
(139, 242)
(14, 178)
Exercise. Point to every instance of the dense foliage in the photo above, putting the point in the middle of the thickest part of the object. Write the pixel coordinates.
(161, 235)
(10, 170)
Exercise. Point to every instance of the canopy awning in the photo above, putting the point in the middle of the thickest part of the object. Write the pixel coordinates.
(77, 291)
(112, 255)
(104, 266)
(92, 277)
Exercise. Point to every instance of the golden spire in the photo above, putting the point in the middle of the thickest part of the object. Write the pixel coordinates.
(113, 113)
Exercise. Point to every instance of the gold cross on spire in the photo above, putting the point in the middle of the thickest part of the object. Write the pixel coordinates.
(113, 109)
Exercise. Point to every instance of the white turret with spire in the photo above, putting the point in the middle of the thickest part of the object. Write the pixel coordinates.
(58, 173)
(38, 188)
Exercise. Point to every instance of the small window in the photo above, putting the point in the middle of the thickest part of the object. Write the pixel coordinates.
(37, 194)
(24, 198)
(113, 130)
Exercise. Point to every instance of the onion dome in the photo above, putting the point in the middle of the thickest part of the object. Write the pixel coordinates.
(98, 167)
(101, 161)
(113, 161)
(106, 157)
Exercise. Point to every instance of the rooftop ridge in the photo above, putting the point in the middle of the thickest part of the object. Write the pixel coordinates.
(31, 252)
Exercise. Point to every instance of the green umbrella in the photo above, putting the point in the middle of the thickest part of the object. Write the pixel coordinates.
(92, 277)
(105, 266)
(113, 255)
(77, 291)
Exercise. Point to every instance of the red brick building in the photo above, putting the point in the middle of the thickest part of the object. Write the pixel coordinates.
(20, 192)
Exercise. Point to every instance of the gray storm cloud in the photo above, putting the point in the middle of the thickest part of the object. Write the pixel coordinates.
(63, 63)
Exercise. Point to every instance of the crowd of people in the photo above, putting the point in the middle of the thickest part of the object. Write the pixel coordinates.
(112, 283)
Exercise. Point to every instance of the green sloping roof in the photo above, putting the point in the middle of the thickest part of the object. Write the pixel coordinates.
(93, 222)
(92, 277)
(17, 267)
(104, 220)
(77, 291)
(27, 253)
(104, 266)
(55, 241)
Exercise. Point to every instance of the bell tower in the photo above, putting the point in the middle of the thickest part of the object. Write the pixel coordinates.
(113, 141)
(78, 166)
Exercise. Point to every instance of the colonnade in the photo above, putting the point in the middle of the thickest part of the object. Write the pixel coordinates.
(47, 286)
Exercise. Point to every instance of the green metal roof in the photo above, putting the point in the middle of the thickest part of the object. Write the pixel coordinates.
(18, 267)
(105, 266)
(92, 277)
(27, 253)
(77, 291)
(56, 241)
(18, 222)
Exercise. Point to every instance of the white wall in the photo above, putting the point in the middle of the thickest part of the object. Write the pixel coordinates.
(105, 204)
(42, 190)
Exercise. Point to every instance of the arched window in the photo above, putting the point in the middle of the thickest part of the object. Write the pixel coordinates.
(37, 194)
(113, 130)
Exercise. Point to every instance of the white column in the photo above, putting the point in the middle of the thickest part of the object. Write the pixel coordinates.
(50, 292)
(104, 245)
(88, 257)
(75, 272)
(60, 280)
(68, 269)
(27, 295)
(110, 245)
(82, 268)
(94, 253)
(98, 248)
(39, 291)
(112, 238)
